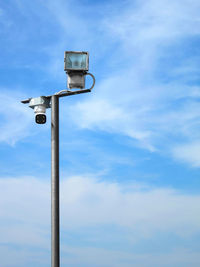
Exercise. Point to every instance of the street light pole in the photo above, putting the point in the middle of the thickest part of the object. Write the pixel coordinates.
(76, 67)
(55, 210)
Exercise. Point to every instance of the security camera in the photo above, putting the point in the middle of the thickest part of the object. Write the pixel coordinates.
(40, 104)
(40, 116)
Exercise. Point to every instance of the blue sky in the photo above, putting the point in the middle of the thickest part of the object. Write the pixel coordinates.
(129, 151)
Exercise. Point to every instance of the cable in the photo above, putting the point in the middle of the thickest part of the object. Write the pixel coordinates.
(90, 74)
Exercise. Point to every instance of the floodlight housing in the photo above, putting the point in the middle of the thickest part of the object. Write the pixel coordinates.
(76, 80)
(76, 61)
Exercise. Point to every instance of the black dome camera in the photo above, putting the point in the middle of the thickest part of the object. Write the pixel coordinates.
(40, 118)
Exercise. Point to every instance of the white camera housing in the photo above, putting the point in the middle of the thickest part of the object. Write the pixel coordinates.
(40, 104)
(40, 114)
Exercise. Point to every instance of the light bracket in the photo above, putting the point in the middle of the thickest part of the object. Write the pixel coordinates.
(39, 101)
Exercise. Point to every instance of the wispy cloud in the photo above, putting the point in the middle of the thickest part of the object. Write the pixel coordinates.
(149, 90)
(15, 119)
(150, 95)
(189, 153)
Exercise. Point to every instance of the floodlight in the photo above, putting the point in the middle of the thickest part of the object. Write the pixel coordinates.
(76, 61)
(76, 65)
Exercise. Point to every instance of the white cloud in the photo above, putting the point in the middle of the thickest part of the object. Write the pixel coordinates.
(86, 202)
(156, 20)
(12, 257)
(145, 210)
(15, 119)
(189, 153)
(101, 257)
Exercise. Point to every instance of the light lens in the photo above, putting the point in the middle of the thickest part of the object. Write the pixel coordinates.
(76, 61)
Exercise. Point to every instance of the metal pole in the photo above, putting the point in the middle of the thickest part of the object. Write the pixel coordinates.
(55, 231)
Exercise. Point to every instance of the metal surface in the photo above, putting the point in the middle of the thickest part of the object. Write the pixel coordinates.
(76, 80)
(55, 224)
(42, 100)
(67, 93)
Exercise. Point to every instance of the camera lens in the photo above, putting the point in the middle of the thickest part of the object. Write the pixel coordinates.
(40, 118)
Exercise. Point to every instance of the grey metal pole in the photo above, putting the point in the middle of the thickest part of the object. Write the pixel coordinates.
(55, 224)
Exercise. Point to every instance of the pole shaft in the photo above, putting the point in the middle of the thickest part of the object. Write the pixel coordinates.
(55, 224)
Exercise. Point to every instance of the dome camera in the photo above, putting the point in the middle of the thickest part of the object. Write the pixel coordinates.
(40, 116)
(40, 104)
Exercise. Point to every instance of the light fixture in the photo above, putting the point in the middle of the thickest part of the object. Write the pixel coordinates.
(76, 61)
(76, 65)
